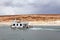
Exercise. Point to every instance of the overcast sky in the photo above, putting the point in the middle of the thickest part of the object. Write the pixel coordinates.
(11, 7)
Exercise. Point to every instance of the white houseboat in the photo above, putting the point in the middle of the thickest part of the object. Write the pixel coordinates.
(16, 24)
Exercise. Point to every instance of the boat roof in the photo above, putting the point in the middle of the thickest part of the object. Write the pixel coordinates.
(20, 22)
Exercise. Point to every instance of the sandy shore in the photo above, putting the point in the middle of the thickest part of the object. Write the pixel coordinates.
(39, 23)
(42, 23)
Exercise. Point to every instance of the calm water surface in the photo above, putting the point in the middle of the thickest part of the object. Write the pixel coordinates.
(7, 33)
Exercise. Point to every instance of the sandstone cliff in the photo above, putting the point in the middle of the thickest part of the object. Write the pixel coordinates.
(31, 17)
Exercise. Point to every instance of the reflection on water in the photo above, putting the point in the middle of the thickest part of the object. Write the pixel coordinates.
(36, 33)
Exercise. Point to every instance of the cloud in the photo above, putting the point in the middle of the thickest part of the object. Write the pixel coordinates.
(6, 10)
(29, 7)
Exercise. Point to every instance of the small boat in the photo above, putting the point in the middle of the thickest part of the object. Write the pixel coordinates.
(20, 25)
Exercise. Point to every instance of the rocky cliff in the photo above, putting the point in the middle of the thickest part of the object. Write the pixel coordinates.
(31, 17)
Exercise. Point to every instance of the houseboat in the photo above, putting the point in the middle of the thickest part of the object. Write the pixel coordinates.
(16, 24)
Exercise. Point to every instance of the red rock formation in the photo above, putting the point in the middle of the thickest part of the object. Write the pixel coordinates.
(31, 17)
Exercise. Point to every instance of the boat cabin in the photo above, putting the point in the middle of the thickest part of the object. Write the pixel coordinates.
(20, 25)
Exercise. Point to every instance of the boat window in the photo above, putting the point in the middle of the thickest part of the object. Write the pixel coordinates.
(17, 24)
(13, 24)
(20, 24)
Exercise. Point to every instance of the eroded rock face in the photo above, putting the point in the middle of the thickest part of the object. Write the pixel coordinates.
(31, 17)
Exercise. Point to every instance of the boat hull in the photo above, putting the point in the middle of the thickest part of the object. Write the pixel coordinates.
(19, 27)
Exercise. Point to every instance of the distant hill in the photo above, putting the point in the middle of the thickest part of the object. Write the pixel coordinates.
(31, 17)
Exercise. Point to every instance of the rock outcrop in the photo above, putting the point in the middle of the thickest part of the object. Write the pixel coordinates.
(31, 17)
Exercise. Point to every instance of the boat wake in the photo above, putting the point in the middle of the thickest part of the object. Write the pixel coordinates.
(40, 29)
(44, 29)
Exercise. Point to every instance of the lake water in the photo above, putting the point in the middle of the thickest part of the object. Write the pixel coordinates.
(39, 33)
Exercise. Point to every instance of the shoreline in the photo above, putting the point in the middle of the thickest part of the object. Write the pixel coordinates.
(36, 23)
